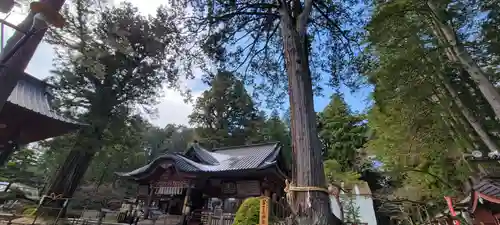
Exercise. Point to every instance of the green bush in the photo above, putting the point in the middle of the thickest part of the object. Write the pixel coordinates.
(29, 211)
(248, 213)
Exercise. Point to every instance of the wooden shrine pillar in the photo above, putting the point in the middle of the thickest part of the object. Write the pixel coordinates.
(186, 208)
(147, 206)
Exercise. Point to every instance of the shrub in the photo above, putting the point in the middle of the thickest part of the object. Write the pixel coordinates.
(248, 213)
(29, 211)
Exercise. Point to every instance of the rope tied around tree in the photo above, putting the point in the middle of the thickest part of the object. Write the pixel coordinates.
(290, 188)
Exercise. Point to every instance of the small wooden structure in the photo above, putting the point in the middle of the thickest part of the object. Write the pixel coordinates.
(28, 116)
(481, 206)
(207, 187)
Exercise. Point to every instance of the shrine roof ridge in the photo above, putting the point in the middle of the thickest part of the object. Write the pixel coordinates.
(245, 146)
(199, 160)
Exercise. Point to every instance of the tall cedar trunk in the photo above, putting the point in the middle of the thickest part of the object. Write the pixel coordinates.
(88, 142)
(454, 119)
(69, 176)
(472, 96)
(447, 36)
(311, 208)
(457, 125)
(469, 116)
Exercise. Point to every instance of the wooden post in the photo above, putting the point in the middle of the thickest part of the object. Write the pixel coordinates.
(267, 193)
(264, 210)
(185, 207)
(209, 218)
(148, 201)
(102, 214)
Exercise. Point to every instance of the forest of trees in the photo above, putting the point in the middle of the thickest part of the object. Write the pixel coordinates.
(433, 66)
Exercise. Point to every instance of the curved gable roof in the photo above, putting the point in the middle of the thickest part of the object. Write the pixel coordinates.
(238, 158)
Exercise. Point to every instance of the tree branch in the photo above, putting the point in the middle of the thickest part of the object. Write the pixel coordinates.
(304, 16)
(435, 176)
(333, 23)
(234, 14)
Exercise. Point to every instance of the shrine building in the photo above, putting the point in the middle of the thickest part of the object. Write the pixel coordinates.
(199, 185)
(481, 204)
(28, 116)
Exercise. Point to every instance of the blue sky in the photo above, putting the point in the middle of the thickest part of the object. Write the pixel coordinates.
(358, 100)
(172, 108)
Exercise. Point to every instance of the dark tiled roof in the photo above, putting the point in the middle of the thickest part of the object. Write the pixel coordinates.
(220, 160)
(490, 187)
(204, 155)
(30, 93)
(179, 162)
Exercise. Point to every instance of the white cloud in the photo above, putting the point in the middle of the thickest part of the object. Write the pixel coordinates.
(172, 108)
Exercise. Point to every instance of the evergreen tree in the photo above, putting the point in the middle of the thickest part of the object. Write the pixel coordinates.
(282, 46)
(225, 114)
(110, 61)
(21, 167)
(171, 138)
(342, 133)
(429, 107)
(275, 129)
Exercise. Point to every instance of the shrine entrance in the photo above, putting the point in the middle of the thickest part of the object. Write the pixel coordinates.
(207, 187)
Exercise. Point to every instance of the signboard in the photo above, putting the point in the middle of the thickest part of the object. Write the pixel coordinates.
(173, 183)
(229, 188)
(264, 211)
(248, 188)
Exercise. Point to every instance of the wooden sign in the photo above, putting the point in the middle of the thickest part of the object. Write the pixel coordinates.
(248, 188)
(173, 183)
(229, 188)
(264, 211)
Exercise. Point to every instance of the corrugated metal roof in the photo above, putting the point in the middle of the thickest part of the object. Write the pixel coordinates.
(227, 159)
(30, 93)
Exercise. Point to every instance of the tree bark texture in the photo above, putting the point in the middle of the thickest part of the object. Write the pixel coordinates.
(15, 67)
(469, 116)
(69, 176)
(310, 208)
(88, 142)
(457, 53)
